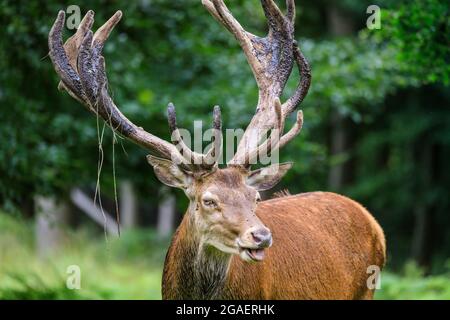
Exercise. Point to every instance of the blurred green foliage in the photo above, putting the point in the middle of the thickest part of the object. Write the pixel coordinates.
(412, 284)
(419, 30)
(129, 267)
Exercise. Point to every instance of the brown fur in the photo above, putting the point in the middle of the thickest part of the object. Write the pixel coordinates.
(322, 246)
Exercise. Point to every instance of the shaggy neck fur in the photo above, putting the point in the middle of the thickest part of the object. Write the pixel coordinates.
(203, 268)
(211, 269)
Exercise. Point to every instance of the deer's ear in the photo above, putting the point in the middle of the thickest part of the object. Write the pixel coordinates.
(169, 173)
(266, 178)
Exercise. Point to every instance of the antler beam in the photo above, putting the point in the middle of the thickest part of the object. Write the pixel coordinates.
(81, 68)
(271, 59)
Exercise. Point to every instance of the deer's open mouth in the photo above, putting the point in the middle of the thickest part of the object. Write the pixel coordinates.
(252, 254)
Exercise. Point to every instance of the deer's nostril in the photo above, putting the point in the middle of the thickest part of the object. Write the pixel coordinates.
(262, 237)
(256, 237)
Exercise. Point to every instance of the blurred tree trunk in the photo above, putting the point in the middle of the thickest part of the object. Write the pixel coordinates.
(128, 205)
(166, 214)
(338, 146)
(339, 24)
(93, 211)
(51, 217)
(421, 246)
(420, 235)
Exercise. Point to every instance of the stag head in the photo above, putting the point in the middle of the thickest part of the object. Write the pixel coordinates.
(222, 200)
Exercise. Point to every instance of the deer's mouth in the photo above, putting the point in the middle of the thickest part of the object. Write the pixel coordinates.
(250, 254)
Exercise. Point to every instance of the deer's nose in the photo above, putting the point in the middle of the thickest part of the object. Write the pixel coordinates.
(262, 237)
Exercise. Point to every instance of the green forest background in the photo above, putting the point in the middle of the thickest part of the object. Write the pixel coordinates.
(377, 129)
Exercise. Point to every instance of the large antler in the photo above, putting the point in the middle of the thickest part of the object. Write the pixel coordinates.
(81, 67)
(271, 59)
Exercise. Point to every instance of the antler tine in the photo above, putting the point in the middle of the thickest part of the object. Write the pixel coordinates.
(198, 160)
(189, 156)
(274, 142)
(275, 18)
(265, 148)
(102, 33)
(212, 9)
(295, 130)
(73, 44)
(213, 154)
(86, 80)
(290, 14)
(219, 10)
(58, 55)
(85, 63)
(304, 82)
(221, 13)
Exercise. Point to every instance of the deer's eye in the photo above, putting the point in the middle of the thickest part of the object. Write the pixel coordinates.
(209, 203)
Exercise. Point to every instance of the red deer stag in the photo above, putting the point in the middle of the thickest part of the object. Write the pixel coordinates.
(315, 245)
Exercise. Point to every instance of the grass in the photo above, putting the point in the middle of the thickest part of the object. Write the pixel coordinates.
(130, 267)
(411, 284)
(126, 268)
